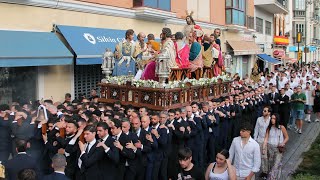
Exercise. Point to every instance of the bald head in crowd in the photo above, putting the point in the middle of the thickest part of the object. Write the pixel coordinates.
(145, 122)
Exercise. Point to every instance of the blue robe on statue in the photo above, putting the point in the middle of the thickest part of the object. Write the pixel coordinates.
(125, 62)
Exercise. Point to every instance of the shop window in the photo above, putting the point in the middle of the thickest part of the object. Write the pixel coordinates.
(235, 12)
(86, 78)
(157, 4)
(268, 28)
(259, 25)
(18, 84)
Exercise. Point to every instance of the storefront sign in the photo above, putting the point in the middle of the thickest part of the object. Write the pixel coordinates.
(281, 40)
(278, 53)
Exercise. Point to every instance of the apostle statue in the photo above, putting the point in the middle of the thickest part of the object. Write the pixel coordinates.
(255, 75)
(167, 49)
(141, 50)
(124, 62)
(195, 55)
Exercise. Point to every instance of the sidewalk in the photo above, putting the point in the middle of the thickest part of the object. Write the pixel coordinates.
(297, 145)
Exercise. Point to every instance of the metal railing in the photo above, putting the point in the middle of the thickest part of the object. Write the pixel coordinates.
(299, 13)
(283, 3)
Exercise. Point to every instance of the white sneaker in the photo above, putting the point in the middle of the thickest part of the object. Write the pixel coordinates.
(317, 120)
(309, 121)
(300, 132)
(289, 127)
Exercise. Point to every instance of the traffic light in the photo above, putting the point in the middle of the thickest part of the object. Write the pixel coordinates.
(299, 55)
(299, 34)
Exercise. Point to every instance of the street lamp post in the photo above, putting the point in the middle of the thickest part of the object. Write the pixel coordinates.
(307, 3)
(305, 32)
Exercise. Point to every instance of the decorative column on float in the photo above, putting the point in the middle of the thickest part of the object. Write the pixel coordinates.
(162, 69)
(108, 63)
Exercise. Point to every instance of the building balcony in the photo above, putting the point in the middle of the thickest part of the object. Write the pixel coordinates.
(299, 13)
(273, 6)
(316, 41)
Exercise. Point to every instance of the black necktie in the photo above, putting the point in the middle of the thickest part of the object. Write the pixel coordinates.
(87, 149)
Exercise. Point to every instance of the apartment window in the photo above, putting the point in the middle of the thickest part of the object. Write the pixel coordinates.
(259, 25)
(299, 4)
(300, 28)
(157, 4)
(268, 28)
(235, 12)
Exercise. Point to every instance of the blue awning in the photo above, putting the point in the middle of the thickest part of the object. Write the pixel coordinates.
(295, 48)
(24, 48)
(89, 44)
(268, 59)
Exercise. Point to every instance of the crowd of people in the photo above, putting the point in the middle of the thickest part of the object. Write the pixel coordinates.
(232, 137)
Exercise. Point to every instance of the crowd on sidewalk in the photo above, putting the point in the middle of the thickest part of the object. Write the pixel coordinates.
(232, 137)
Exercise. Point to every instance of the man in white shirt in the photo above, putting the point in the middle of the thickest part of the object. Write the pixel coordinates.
(268, 81)
(289, 91)
(245, 154)
(259, 135)
(282, 81)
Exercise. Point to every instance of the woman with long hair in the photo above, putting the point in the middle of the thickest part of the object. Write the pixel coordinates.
(274, 143)
(222, 168)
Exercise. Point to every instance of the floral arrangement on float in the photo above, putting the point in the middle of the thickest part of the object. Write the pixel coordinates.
(123, 80)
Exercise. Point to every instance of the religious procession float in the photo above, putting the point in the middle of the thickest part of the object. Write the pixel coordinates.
(166, 75)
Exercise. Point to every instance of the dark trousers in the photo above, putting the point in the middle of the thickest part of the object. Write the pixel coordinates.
(163, 173)
(121, 171)
(213, 146)
(197, 156)
(149, 169)
(130, 173)
(134, 173)
(156, 170)
(4, 156)
(284, 118)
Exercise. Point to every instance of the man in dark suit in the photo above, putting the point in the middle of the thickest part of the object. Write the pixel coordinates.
(121, 140)
(213, 122)
(151, 156)
(284, 107)
(90, 156)
(70, 147)
(178, 129)
(108, 164)
(132, 165)
(21, 161)
(58, 164)
(142, 148)
(274, 100)
(161, 135)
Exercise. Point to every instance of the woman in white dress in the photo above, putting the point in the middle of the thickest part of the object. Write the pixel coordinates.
(222, 168)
